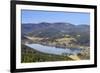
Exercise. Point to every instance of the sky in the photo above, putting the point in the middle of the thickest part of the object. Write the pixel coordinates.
(36, 16)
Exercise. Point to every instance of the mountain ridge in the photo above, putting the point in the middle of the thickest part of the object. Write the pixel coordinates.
(61, 27)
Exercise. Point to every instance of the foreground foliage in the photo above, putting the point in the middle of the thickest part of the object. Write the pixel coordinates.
(29, 55)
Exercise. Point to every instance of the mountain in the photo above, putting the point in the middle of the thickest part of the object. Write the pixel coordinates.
(45, 29)
(57, 30)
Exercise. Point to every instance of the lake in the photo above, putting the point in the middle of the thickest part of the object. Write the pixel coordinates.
(54, 50)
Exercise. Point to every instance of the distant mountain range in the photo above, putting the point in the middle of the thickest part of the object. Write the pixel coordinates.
(45, 29)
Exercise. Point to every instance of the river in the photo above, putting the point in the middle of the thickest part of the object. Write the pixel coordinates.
(54, 50)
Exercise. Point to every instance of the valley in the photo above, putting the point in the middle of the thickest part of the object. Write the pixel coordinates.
(58, 35)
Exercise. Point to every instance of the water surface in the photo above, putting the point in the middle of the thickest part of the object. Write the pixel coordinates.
(53, 50)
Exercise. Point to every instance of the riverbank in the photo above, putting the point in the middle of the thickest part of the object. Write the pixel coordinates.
(62, 43)
(56, 42)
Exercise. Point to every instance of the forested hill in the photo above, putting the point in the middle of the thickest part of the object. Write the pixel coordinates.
(57, 30)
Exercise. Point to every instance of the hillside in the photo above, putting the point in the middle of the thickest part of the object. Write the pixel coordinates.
(57, 30)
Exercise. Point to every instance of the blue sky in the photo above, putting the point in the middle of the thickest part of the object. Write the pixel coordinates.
(33, 16)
